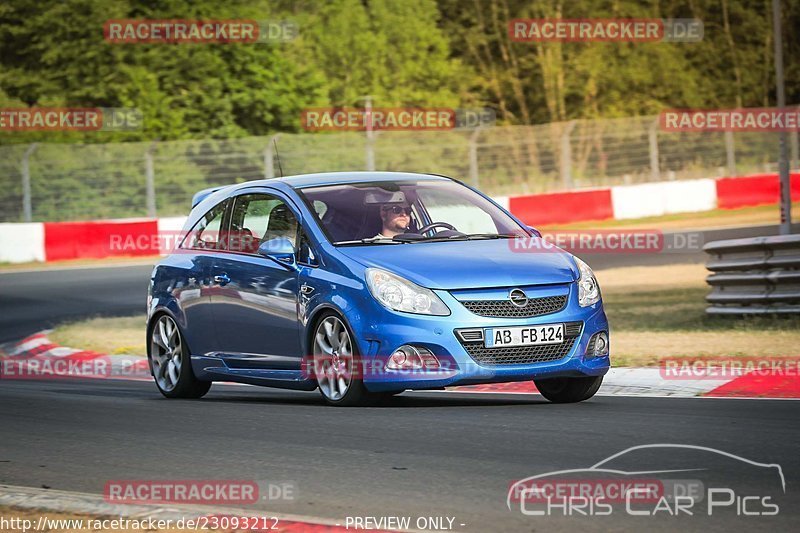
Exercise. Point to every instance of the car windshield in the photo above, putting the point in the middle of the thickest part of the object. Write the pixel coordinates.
(397, 212)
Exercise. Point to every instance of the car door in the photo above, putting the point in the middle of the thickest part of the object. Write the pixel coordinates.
(192, 278)
(254, 299)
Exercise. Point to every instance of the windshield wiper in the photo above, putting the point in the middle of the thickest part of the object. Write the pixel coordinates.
(370, 240)
(457, 237)
(412, 238)
(477, 236)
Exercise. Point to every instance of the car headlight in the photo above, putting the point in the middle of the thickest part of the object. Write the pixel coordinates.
(588, 289)
(399, 294)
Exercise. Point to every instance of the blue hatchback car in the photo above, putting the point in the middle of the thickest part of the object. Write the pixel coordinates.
(366, 284)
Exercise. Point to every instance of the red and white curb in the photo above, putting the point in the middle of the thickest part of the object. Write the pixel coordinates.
(37, 356)
(651, 381)
(44, 500)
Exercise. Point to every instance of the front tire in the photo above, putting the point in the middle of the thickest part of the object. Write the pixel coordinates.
(170, 362)
(568, 390)
(337, 364)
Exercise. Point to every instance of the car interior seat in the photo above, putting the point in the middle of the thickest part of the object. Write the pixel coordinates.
(282, 223)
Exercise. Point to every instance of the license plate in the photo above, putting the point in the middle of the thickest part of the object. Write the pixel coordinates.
(523, 335)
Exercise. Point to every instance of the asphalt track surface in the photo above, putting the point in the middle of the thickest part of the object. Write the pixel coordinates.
(422, 454)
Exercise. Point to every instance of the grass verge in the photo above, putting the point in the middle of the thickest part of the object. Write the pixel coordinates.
(658, 312)
(125, 335)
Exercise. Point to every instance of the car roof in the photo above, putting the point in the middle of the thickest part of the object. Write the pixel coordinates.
(216, 194)
(337, 178)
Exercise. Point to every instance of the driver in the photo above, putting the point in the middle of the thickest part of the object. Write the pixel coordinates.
(395, 218)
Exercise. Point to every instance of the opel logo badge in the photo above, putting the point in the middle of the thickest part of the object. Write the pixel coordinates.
(518, 298)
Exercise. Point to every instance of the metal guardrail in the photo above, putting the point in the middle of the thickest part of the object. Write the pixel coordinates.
(754, 276)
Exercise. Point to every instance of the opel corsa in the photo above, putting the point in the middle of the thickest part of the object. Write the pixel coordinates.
(367, 284)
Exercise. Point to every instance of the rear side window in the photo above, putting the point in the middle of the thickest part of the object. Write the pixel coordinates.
(256, 218)
(206, 233)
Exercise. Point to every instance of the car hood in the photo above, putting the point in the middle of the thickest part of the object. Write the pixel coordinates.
(467, 264)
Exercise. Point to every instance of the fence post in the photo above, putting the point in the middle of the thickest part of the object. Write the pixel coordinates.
(473, 158)
(27, 206)
(370, 144)
(269, 164)
(652, 134)
(370, 147)
(566, 155)
(150, 181)
(730, 153)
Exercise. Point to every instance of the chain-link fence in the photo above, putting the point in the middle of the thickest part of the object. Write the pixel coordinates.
(50, 182)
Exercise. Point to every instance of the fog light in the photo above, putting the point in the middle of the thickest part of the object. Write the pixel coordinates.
(598, 345)
(399, 358)
(408, 357)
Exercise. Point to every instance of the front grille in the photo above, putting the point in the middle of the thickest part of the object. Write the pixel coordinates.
(472, 335)
(524, 355)
(505, 309)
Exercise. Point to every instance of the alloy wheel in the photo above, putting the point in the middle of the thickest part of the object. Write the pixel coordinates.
(333, 358)
(167, 353)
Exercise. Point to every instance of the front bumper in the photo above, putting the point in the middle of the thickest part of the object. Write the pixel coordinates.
(379, 332)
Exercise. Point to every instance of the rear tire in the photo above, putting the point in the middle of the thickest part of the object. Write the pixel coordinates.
(568, 390)
(170, 361)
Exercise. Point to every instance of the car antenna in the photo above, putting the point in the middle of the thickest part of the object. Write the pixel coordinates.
(278, 157)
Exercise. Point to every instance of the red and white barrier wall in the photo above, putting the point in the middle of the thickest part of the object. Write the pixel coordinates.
(54, 241)
(650, 199)
(58, 241)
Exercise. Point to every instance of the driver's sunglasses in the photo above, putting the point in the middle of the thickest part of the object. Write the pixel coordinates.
(397, 210)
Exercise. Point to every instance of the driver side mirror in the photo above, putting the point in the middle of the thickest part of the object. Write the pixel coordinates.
(280, 250)
(535, 231)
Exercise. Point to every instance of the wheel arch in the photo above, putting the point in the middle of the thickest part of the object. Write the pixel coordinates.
(314, 318)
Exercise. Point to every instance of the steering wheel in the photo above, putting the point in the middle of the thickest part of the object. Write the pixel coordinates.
(425, 229)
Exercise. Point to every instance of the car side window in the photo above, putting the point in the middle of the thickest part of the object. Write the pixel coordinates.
(206, 233)
(256, 218)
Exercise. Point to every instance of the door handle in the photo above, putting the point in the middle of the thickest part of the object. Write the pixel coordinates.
(306, 289)
(222, 279)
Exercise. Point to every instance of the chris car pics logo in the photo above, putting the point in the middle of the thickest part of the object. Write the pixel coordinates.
(655, 480)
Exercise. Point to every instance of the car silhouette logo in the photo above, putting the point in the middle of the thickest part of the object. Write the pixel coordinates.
(611, 466)
(518, 298)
